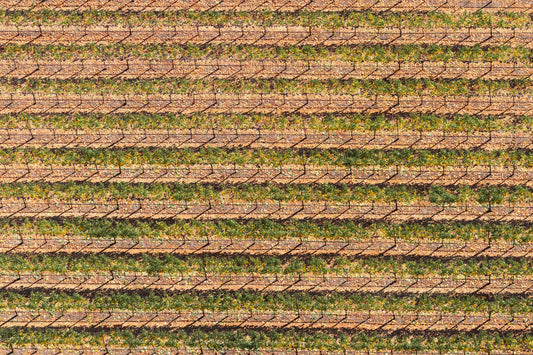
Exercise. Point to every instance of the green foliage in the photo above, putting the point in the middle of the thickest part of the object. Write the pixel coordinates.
(267, 229)
(491, 196)
(251, 193)
(328, 122)
(267, 18)
(270, 340)
(404, 53)
(268, 157)
(363, 88)
(438, 195)
(243, 265)
(252, 301)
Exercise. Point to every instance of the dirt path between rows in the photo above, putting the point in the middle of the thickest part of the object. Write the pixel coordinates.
(375, 283)
(230, 68)
(260, 174)
(262, 138)
(349, 320)
(185, 245)
(265, 103)
(446, 6)
(264, 35)
(211, 210)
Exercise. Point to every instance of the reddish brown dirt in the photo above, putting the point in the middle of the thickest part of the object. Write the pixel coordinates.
(265, 103)
(232, 5)
(259, 35)
(261, 209)
(229, 68)
(250, 246)
(375, 283)
(369, 320)
(257, 174)
(261, 138)
(447, 6)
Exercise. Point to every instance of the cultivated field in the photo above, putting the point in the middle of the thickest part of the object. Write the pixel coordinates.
(266, 177)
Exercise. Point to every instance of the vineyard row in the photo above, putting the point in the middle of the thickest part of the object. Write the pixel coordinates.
(246, 342)
(254, 303)
(270, 266)
(264, 35)
(116, 350)
(380, 283)
(164, 87)
(495, 235)
(262, 138)
(70, 244)
(216, 161)
(214, 19)
(315, 126)
(260, 174)
(208, 351)
(363, 55)
(176, 195)
(369, 321)
(447, 6)
(257, 342)
(265, 103)
(259, 69)
(143, 209)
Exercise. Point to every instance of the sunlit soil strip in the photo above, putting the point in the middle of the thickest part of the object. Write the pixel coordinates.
(339, 320)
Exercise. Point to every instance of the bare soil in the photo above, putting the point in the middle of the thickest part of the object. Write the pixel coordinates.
(263, 138)
(270, 35)
(376, 283)
(265, 103)
(229, 68)
(447, 6)
(362, 320)
(261, 209)
(259, 174)
(24, 244)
